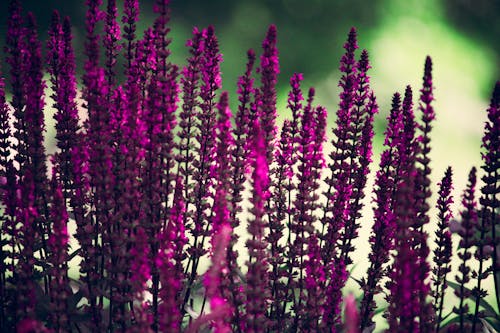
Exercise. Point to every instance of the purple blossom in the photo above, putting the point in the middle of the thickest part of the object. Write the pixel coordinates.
(381, 239)
(257, 292)
(241, 134)
(220, 310)
(423, 192)
(169, 262)
(404, 284)
(364, 108)
(315, 281)
(129, 19)
(269, 70)
(282, 201)
(61, 61)
(111, 41)
(58, 245)
(488, 236)
(469, 220)
(141, 273)
(443, 251)
(336, 210)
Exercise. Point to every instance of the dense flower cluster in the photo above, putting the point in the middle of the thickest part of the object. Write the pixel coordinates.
(158, 178)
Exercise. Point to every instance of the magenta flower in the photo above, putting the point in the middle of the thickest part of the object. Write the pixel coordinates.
(488, 235)
(467, 230)
(269, 70)
(58, 245)
(257, 292)
(443, 251)
(62, 69)
(381, 239)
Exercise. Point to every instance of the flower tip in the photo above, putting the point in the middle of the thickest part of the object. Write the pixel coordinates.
(55, 16)
(272, 32)
(251, 54)
(209, 31)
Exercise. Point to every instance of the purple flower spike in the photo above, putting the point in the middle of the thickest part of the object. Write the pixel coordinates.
(468, 225)
(241, 133)
(336, 210)
(61, 61)
(282, 208)
(220, 310)
(221, 169)
(404, 284)
(209, 68)
(129, 19)
(423, 193)
(310, 142)
(58, 244)
(111, 41)
(26, 237)
(169, 262)
(257, 292)
(269, 70)
(314, 285)
(14, 48)
(141, 273)
(295, 99)
(488, 228)
(443, 251)
(381, 239)
(92, 18)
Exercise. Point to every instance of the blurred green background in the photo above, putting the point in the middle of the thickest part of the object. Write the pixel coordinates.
(461, 36)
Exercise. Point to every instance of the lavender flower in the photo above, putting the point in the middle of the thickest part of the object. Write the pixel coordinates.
(314, 285)
(58, 244)
(466, 232)
(281, 201)
(339, 193)
(62, 69)
(381, 239)
(186, 146)
(169, 262)
(25, 237)
(219, 307)
(15, 44)
(404, 284)
(269, 70)
(257, 292)
(241, 134)
(489, 201)
(210, 83)
(129, 19)
(443, 251)
(364, 109)
(141, 273)
(111, 42)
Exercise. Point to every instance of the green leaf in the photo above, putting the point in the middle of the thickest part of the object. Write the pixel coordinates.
(487, 328)
(488, 307)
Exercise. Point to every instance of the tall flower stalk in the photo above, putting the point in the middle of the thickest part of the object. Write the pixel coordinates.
(443, 251)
